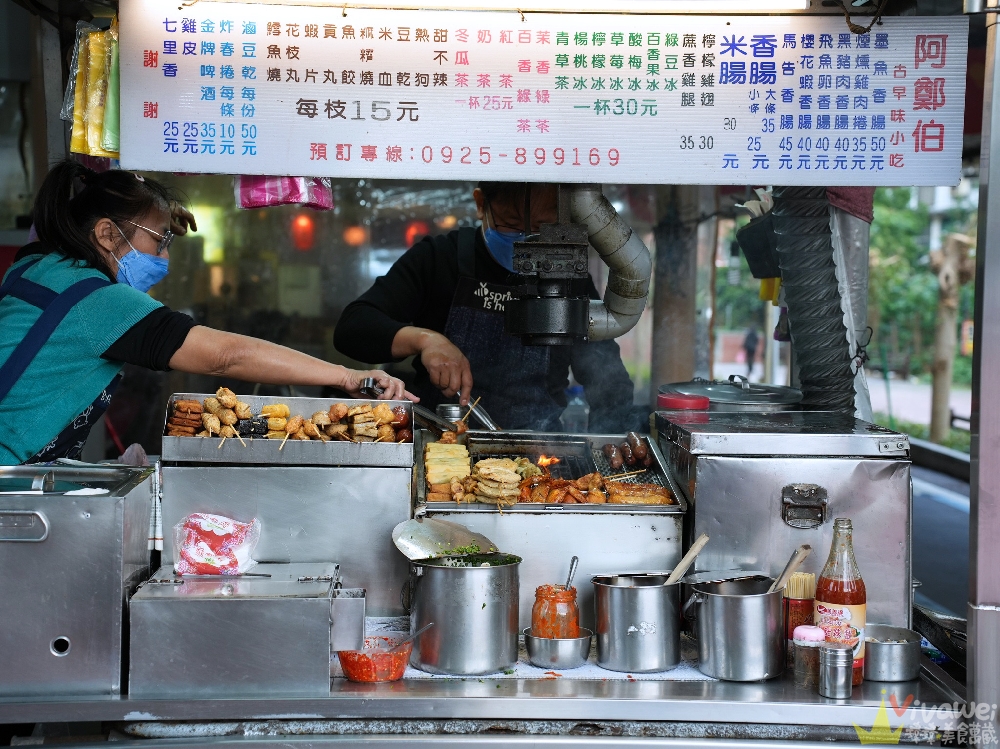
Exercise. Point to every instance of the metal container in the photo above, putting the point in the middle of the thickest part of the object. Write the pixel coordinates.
(240, 636)
(740, 629)
(739, 394)
(568, 652)
(836, 667)
(891, 653)
(474, 610)
(262, 451)
(605, 537)
(762, 484)
(307, 515)
(450, 411)
(638, 622)
(73, 548)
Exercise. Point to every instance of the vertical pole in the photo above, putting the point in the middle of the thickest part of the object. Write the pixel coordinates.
(47, 85)
(674, 286)
(984, 522)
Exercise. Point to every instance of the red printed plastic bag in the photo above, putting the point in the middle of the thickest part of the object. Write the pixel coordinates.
(258, 191)
(214, 545)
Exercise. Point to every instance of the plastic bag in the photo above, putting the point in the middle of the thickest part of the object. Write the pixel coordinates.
(214, 545)
(257, 191)
(82, 29)
(112, 102)
(91, 95)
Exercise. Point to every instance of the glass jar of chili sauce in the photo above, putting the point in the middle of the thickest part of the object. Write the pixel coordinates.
(840, 604)
(555, 614)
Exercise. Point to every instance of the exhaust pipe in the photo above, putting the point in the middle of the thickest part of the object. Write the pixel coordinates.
(624, 253)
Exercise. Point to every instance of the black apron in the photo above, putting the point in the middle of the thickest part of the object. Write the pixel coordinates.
(54, 307)
(511, 378)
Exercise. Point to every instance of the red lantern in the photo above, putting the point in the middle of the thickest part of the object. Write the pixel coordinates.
(415, 229)
(303, 232)
(355, 235)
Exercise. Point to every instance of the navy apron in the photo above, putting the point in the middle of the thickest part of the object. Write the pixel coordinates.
(511, 378)
(54, 307)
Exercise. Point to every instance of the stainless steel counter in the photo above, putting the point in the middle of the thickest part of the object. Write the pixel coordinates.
(775, 702)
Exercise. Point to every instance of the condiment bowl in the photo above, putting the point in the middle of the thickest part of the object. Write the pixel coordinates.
(565, 653)
(375, 665)
(891, 653)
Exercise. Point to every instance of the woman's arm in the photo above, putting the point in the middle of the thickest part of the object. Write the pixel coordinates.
(215, 352)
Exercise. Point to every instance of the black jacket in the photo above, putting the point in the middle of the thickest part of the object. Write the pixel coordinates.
(418, 290)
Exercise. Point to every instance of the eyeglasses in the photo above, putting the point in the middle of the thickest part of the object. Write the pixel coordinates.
(165, 239)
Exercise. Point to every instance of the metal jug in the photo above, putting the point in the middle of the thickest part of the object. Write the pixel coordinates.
(740, 629)
(474, 610)
(637, 622)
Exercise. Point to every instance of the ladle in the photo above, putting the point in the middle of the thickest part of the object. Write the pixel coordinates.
(687, 560)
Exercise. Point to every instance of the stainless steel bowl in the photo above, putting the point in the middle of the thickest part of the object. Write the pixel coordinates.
(896, 660)
(563, 653)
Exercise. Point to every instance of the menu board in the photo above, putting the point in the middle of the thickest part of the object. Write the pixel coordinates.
(318, 91)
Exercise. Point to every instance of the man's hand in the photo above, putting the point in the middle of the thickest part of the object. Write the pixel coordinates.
(181, 219)
(447, 366)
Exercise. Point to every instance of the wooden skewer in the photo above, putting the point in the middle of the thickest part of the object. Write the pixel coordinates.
(287, 435)
(625, 475)
(240, 439)
(467, 413)
(222, 443)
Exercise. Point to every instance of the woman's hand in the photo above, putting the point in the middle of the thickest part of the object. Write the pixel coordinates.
(181, 219)
(394, 388)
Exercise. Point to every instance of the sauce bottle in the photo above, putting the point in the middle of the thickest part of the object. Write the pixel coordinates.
(839, 608)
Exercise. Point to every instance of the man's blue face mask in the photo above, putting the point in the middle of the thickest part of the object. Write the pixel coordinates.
(500, 243)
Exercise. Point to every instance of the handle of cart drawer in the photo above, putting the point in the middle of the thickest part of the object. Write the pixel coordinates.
(23, 525)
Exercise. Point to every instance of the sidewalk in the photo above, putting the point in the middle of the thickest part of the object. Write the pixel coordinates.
(911, 401)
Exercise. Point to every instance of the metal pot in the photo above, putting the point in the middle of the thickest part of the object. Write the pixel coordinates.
(637, 622)
(740, 629)
(739, 394)
(474, 610)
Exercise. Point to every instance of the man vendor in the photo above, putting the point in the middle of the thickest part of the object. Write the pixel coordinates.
(443, 303)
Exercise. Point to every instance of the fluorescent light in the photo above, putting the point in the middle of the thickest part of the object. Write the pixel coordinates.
(733, 7)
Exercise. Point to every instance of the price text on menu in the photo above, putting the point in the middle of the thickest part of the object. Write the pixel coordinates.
(306, 91)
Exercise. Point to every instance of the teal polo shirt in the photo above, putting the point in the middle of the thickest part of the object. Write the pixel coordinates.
(68, 373)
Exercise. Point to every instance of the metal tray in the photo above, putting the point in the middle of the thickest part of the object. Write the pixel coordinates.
(587, 448)
(262, 451)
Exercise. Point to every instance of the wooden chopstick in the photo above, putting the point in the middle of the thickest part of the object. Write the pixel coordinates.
(624, 475)
(467, 413)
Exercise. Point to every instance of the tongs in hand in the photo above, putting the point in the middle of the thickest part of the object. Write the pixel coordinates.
(424, 416)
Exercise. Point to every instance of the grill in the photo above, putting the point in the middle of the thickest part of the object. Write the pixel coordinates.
(653, 475)
(575, 456)
(579, 454)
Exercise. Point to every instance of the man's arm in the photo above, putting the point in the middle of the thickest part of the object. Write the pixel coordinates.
(369, 324)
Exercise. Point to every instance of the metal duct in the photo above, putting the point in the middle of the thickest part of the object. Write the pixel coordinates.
(812, 293)
(850, 253)
(624, 253)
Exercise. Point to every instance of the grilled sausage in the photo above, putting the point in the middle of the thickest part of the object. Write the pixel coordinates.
(614, 456)
(404, 435)
(627, 455)
(647, 462)
(637, 445)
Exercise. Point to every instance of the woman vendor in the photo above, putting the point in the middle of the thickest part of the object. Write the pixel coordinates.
(74, 310)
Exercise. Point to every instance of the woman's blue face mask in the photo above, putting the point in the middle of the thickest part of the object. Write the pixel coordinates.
(500, 243)
(139, 270)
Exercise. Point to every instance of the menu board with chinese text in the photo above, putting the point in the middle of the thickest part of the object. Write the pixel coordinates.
(308, 91)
